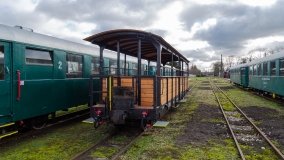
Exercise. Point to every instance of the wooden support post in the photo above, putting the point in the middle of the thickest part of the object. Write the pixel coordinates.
(101, 70)
(148, 68)
(159, 52)
(139, 72)
(179, 74)
(125, 65)
(164, 70)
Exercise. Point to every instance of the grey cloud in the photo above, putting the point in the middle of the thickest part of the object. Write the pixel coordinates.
(235, 23)
(107, 14)
(200, 55)
(159, 32)
(25, 19)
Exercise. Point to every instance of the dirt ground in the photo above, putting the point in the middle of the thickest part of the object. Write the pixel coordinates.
(204, 125)
(271, 122)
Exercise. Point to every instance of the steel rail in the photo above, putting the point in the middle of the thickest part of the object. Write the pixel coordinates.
(84, 152)
(279, 153)
(125, 148)
(114, 132)
(228, 124)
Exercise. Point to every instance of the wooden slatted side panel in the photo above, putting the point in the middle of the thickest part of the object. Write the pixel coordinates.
(182, 84)
(170, 88)
(163, 91)
(105, 86)
(127, 82)
(147, 88)
(104, 89)
(147, 91)
(186, 82)
(175, 87)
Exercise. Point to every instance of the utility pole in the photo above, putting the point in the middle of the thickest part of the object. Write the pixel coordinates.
(221, 75)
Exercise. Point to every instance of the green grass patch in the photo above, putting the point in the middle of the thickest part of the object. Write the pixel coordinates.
(71, 110)
(104, 152)
(58, 144)
(119, 139)
(264, 154)
(213, 150)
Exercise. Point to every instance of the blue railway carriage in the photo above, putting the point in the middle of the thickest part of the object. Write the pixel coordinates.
(265, 74)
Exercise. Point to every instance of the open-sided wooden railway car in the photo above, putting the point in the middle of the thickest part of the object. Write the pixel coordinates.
(138, 97)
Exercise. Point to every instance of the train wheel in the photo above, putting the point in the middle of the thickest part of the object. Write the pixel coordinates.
(96, 124)
(39, 122)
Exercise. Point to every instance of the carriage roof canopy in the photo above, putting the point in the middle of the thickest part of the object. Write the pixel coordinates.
(128, 44)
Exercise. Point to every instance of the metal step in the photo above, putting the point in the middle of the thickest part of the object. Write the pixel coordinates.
(161, 124)
(6, 125)
(183, 101)
(8, 134)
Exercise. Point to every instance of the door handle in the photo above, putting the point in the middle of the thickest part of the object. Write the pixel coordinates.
(19, 84)
(7, 70)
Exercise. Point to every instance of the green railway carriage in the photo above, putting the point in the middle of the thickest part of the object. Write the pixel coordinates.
(40, 74)
(265, 74)
(239, 75)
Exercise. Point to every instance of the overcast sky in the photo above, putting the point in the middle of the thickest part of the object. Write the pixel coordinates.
(199, 29)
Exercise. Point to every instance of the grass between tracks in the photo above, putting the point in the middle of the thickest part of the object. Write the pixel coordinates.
(246, 99)
(161, 143)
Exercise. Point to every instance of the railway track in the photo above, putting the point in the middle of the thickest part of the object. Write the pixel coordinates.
(56, 122)
(247, 136)
(127, 138)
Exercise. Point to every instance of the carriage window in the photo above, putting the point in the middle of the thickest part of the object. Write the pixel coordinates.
(134, 68)
(254, 70)
(281, 67)
(112, 67)
(127, 69)
(258, 69)
(272, 68)
(250, 70)
(2, 67)
(38, 57)
(74, 66)
(122, 68)
(242, 71)
(265, 70)
(95, 65)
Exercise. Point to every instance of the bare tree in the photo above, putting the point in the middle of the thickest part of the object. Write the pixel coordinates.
(216, 68)
(229, 61)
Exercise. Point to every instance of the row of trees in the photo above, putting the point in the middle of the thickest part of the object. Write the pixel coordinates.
(194, 70)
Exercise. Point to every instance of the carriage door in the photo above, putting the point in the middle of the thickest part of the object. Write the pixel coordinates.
(5, 82)
(244, 76)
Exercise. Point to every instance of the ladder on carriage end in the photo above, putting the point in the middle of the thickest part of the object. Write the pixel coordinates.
(7, 130)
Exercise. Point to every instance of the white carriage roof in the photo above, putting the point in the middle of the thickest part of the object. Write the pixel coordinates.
(20, 35)
(261, 60)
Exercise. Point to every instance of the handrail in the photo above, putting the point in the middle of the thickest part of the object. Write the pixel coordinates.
(19, 85)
